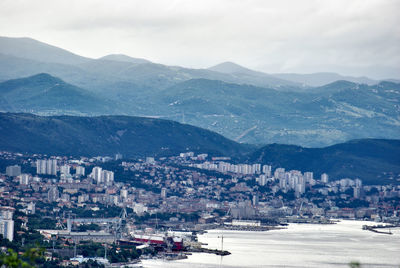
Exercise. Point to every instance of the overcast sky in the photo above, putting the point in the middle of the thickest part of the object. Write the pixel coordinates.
(355, 37)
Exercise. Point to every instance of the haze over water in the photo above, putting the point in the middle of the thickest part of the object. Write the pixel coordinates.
(301, 245)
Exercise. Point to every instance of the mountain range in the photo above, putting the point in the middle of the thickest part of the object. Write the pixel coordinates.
(41, 57)
(241, 104)
(374, 161)
(322, 116)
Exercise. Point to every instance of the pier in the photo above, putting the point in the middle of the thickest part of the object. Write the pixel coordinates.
(374, 229)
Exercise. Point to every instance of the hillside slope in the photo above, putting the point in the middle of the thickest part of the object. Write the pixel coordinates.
(43, 93)
(108, 135)
(35, 50)
(372, 160)
(326, 115)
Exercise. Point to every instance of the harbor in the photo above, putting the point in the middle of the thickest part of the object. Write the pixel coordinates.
(308, 245)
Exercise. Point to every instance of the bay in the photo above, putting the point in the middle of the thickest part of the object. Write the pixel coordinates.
(300, 245)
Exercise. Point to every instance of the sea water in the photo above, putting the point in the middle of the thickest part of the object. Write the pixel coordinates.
(300, 245)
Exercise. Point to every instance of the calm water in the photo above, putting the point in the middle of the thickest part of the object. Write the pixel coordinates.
(301, 245)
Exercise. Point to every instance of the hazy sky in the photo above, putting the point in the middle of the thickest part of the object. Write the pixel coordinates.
(356, 37)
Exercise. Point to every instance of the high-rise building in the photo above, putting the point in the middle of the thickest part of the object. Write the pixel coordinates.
(358, 183)
(13, 171)
(283, 183)
(41, 166)
(65, 169)
(300, 187)
(53, 167)
(97, 174)
(7, 223)
(356, 192)
(163, 192)
(256, 168)
(262, 180)
(7, 229)
(324, 178)
(80, 171)
(48, 167)
(267, 170)
(24, 179)
(309, 176)
(279, 173)
(255, 200)
(124, 194)
(108, 177)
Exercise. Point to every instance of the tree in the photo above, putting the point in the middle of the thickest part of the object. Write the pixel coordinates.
(11, 259)
(29, 259)
(354, 264)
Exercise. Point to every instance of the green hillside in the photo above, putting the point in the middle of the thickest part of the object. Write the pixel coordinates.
(372, 160)
(108, 135)
(45, 93)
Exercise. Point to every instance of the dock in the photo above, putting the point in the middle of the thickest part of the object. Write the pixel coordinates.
(374, 229)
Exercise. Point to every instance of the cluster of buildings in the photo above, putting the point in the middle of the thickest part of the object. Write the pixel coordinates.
(182, 188)
(288, 180)
(244, 169)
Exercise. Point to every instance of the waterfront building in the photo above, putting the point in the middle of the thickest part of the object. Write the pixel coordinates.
(246, 223)
(243, 210)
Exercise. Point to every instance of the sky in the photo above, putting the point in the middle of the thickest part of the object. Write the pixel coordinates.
(350, 37)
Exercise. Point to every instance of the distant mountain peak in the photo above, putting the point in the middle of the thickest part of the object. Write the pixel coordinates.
(341, 83)
(124, 58)
(229, 67)
(40, 77)
(25, 47)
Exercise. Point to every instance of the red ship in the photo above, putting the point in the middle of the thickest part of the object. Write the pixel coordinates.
(175, 243)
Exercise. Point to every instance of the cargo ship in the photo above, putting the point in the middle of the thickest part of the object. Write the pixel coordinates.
(170, 242)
